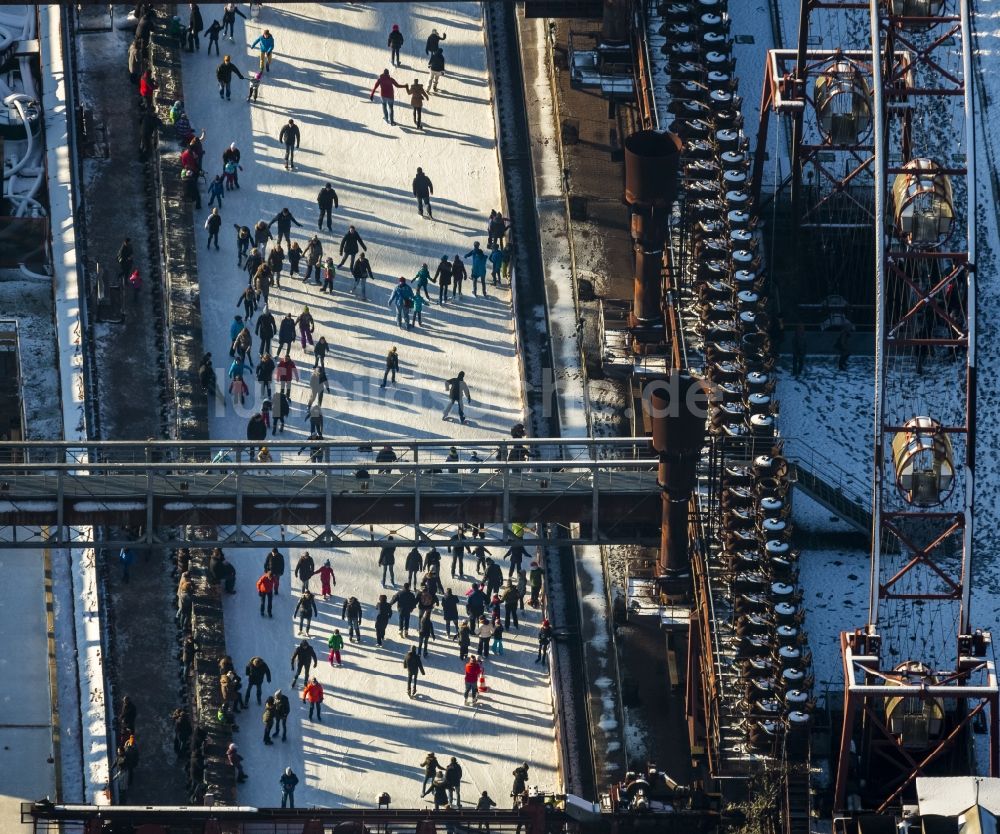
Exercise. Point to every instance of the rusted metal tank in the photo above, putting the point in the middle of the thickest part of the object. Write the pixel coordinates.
(652, 158)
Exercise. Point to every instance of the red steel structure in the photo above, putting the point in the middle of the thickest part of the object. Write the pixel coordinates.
(917, 674)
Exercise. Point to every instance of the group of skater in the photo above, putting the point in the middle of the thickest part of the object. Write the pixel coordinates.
(476, 614)
(474, 618)
(266, 252)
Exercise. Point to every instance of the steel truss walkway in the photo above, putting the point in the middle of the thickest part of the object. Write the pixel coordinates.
(165, 492)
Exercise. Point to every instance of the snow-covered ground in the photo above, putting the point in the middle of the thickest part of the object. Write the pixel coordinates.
(326, 61)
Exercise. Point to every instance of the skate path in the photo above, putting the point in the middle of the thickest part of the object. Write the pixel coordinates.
(326, 60)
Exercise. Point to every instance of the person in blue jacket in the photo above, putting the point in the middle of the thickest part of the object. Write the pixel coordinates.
(402, 300)
(496, 261)
(478, 266)
(266, 44)
(420, 281)
(235, 327)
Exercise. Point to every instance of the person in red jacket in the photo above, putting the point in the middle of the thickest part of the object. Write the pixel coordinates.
(265, 588)
(386, 86)
(473, 669)
(313, 694)
(285, 373)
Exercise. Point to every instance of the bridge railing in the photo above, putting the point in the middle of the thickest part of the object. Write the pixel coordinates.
(354, 452)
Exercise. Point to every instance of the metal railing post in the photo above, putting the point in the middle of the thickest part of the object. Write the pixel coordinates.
(506, 500)
(416, 498)
(239, 500)
(594, 501)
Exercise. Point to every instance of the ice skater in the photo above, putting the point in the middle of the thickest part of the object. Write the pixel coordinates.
(386, 86)
(414, 666)
(422, 190)
(456, 387)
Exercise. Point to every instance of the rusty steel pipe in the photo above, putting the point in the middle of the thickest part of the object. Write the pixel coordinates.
(678, 417)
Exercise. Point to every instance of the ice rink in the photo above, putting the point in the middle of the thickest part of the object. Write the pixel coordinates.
(327, 57)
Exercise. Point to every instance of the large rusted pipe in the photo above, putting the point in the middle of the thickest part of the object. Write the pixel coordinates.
(648, 286)
(652, 161)
(678, 412)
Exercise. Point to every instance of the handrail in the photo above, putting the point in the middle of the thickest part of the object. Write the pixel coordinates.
(818, 464)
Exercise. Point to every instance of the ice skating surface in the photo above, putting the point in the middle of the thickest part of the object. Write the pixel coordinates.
(327, 57)
(373, 737)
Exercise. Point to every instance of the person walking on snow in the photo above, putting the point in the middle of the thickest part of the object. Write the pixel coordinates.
(391, 367)
(216, 191)
(213, 224)
(320, 350)
(413, 666)
(229, 19)
(294, 256)
(395, 44)
(405, 601)
(473, 670)
(232, 155)
(303, 659)
(213, 37)
(326, 579)
(318, 385)
(314, 254)
(275, 563)
(313, 694)
(422, 190)
(266, 44)
(453, 781)
(285, 373)
(436, 65)
(478, 266)
(386, 86)
(383, 612)
(265, 589)
(327, 201)
(431, 767)
(282, 709)
(496, 263)
(305, 609)
(286, 335)
(329, 272)
(402, 299)
(443, 279)
(257, 670)
(456, 387)
(417, 97)
(349, 245)
(352, 613)
(284, 219)
(224, 75)
(433, 41)
(362, 271)
(458, 275)
(291, 139)
(288, 781)
(306, 326)
(336, 643)
(420, 281)
(304, 569)
(276, 261)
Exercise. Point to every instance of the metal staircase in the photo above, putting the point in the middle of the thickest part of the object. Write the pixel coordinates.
(829, 485)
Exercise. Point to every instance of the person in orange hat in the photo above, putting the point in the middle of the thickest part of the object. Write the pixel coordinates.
(313, 695)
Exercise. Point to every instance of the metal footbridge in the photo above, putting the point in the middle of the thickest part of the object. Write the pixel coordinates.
(326, 492)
